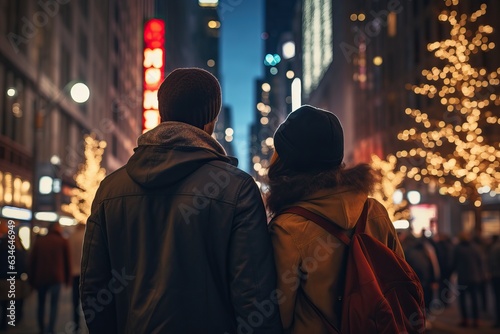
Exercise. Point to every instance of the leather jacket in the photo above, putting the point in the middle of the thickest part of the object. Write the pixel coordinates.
(177, 242)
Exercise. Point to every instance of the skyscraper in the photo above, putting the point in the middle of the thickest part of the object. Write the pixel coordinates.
(192, 39)
(273, 95)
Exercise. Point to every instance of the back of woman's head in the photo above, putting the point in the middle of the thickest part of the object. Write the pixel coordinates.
(310, 138)
(309, 153)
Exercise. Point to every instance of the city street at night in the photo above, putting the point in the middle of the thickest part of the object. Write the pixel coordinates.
(443, 321)
(249, 166)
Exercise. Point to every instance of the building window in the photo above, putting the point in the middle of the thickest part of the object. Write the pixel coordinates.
(416, 46)
(12, 24)
(117, 13)
(416, 8)
(427, 29)
(67, 15)
(83, 45)
(392, 24)
(114, 145)
(116, 112)
(64, 133)
(116, 45)
(115, 77)
(6, 116)
(65, 67)
(441, 30)
(84, 8)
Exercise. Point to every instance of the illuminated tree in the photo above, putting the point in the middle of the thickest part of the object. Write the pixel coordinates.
(391, 179)
(87, 180)
(456, 144)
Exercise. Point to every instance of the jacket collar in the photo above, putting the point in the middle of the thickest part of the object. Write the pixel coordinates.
(178, 134)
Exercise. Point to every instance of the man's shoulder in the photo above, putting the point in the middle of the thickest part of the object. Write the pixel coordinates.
(114, 183)
(114, 176)
(221, 181)
(229, 170)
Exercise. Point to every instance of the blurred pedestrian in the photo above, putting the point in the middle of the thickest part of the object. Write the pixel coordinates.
(494, 264)
(467, 263)
(419, 257)
(23, 288)
(480, 244)
(178, 237)
(307, 170)
(75, 241)
(444, 251)
(49, 269)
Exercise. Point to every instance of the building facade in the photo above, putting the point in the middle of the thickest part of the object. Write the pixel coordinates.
(379, 56)
(273, 92)
(46, 47)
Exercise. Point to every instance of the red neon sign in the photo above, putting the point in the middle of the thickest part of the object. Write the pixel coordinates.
(154, 69)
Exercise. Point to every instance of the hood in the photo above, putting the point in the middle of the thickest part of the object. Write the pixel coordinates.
(342, 206)
(172, 151)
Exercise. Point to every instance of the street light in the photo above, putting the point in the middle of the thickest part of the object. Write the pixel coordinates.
(79, 93)
(414, 197)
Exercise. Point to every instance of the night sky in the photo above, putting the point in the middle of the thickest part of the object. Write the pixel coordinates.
(241, 47)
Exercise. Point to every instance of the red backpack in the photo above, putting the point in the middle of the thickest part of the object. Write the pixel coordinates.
(382, 293)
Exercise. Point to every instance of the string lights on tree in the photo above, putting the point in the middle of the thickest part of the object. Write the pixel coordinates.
(456, 144)
(391, 180)
(87, 180)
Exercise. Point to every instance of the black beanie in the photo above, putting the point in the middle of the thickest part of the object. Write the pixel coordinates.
(190, 95)
(310, 138)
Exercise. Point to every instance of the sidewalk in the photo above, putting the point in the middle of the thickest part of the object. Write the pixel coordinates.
(64, 323)
(447, 320)
(443, 321)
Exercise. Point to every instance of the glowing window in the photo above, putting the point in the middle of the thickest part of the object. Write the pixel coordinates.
(392, 24)
(45, 185)
(208, 3)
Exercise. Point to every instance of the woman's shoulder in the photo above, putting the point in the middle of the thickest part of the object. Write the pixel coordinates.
(375, 208)
(286, 221)
(300, 229)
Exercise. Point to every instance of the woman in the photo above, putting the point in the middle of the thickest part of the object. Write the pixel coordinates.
(307, 170)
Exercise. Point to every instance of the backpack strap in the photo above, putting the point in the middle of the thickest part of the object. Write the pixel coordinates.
(361, 223)
(340, 234)
(330, 227)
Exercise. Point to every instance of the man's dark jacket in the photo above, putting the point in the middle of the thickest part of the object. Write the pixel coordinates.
(177, 242)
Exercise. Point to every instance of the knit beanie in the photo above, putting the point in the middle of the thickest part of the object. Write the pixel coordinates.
(190, 95)
(310, 138)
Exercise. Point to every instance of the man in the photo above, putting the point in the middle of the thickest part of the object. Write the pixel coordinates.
(49, 269)
(177, 241)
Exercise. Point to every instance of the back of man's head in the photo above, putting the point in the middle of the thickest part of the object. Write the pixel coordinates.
(190, 95)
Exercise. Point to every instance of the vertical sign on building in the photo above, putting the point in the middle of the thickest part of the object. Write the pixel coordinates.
(317, 34)
(154, 66)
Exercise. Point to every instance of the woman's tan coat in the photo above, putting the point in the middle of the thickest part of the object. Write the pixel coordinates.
(308, 258)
